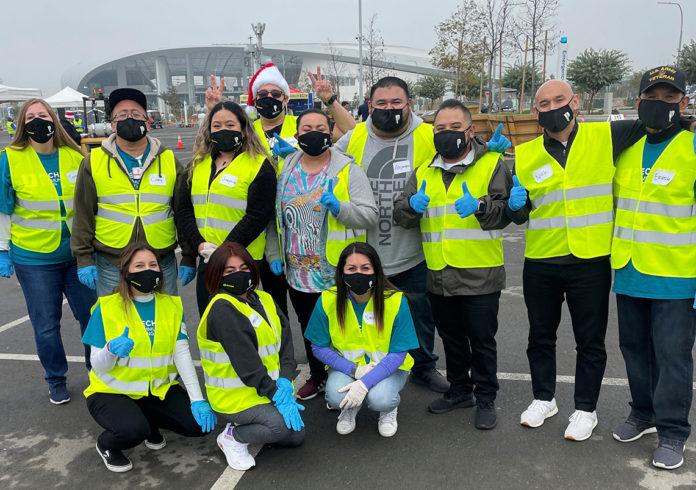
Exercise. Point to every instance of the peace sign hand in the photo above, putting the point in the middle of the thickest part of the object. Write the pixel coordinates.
(213, 94)
(322, 87)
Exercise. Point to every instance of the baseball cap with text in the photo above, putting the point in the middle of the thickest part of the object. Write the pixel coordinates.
(663, 74)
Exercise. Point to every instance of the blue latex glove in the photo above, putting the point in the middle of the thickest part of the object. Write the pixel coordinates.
(121, 345)
(88, 276)
(330, 201)
(291, 414)
(277, 268)
(467, 204)
(204, 415)
(282, 148)
(6, 267)
(420, 200)
(499, 143)
(186, 274)
(518, 195)
(285, 392)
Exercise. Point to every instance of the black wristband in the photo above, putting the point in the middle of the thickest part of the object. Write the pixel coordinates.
(331, 100)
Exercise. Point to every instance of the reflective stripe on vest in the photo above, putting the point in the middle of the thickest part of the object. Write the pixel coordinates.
(354, 342)
(227, 393)
(572, 208)
(150, 368)
(287, 132)
(656, 217)
(36, 223)
(339, 237)
(448, 239)
(119, 205)
(222, 204)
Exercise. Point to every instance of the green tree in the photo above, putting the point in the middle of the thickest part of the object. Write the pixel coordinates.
(513, 78)
(593, 70)
(432, 87)
(171, 98)
(687, 61)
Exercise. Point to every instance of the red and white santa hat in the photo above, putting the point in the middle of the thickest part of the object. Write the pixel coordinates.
(268, 73)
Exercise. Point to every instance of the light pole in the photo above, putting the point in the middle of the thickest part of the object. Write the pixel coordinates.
(681, 26)
(360, 40)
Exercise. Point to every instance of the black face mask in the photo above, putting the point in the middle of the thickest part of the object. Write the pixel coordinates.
(388, 120)
(269, 107)
(556, 120)
(226, 139)
(40, 130)
(237, 282)
(359, 283)
(131, 130)
(314, 143)
(657, 114)
(145, 281)
(451, 144)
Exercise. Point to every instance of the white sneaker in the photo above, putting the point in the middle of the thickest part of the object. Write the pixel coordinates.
(236, 453)
(581, 425)
(537, 412)
(387, 423)
(346, 421)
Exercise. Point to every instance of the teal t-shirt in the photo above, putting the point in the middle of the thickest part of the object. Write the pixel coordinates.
(19, 255)
(94, 333)
(134, 163)
(629, 281)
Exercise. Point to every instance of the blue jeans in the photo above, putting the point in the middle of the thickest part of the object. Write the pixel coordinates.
(412, 282)
(43, 287)
(382, 397)
(656, 337)
(108, 275)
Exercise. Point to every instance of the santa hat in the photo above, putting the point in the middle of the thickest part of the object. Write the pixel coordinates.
(268, 73)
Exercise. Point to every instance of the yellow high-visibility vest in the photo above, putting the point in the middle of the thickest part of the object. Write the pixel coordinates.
(36, 222)
(572, 208)
(77, 124)
(10, 128)
(149, 368)
(227, 393)
(656, 217)
(287, 132)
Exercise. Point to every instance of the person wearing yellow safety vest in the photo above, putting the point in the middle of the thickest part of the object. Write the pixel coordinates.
(323, 203)
(459, 201)
(248, 359)
(37, 186)
(140, 351)
(230, 190)
(11, 128)
(125, 193)
(362, 329)
(77, 124)
(654, 256)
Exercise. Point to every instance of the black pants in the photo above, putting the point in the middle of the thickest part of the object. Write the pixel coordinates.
(467, 326)
(276, 286)
(303, 303)
(586, 288)
(129, 422)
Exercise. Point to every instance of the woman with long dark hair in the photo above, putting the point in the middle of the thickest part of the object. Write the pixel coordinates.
(362, 329)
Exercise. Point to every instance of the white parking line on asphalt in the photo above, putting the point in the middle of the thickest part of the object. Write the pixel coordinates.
(19, 321)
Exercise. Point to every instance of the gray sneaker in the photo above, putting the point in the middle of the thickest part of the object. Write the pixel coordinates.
(630, 431)
(668, 457)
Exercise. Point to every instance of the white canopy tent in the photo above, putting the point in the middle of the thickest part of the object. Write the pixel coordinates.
(68, 97)
(16, 94)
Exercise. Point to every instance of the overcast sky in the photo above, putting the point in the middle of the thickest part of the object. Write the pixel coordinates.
(40, 39)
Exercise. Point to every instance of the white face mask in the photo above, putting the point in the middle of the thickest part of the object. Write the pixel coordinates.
(145, 298)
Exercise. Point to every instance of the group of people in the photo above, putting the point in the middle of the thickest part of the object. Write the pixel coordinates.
(380, 233)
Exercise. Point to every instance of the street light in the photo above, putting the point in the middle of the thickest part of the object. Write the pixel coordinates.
(360, 41)
(681, 27)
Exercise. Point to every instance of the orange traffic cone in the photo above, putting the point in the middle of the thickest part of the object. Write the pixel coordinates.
(582, 119)
(179, 143)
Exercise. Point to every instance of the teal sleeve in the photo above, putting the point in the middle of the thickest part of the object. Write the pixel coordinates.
(7, 195)
(403, 332)
(94, 333)
(317, 331)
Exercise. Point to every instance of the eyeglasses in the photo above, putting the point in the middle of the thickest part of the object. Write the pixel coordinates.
(137, 115)
(276, 94)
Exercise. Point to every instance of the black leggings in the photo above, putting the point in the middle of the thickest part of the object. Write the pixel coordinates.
(303, 303)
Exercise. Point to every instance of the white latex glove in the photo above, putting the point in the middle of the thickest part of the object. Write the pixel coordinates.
(207, 251)
(364, 369)
(357, 391)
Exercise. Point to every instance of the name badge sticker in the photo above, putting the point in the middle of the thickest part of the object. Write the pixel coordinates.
(542, 173)
(255, 320)
(662, 177)
(369, 317)
(158, 180)
(72, 176)
(229, 180)
(402, 166)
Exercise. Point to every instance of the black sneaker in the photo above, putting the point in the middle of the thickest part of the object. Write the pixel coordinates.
(485, 418)
(431, 378)
(115, 460)
(451, 401)
(155, 441)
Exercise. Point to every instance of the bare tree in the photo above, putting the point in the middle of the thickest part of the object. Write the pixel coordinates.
(337, 68)
(536, 17)
(495, 25)
(374, 59)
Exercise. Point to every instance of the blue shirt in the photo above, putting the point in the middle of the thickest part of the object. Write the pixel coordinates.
(629, 281)
(7, 204)
(403, 336)
(132, 162)
(94, 333)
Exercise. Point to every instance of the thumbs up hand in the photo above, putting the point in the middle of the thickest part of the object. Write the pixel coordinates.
(329, 201)
(518, 195)
(420, 200)
(467, 204)
(122, 345)
(498, 142)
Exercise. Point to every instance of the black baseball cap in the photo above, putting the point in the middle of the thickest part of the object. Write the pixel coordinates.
(121, 94)
(663, 74)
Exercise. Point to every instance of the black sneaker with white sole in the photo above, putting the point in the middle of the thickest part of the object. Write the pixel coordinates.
(155, 441)
(115, 460)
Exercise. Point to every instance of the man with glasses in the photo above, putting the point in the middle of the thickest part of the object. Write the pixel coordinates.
(124, 194)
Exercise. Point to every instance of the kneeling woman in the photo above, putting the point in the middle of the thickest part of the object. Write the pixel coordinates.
(362, 329)
(248, 359)
(139, 347)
